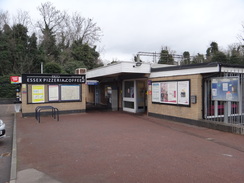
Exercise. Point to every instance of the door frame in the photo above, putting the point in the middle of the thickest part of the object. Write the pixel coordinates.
(134, 99)
(129, 99)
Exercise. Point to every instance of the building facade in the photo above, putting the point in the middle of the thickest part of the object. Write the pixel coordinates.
(186, 93)
(208, 94)
(64, 92)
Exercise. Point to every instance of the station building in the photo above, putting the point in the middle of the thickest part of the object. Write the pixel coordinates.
(63, 92)
(207, 94)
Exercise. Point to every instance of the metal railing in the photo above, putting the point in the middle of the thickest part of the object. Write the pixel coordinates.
(54, 112)
(228, 112)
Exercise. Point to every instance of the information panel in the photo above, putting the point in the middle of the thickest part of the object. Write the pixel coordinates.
(70, 92)
(168, 92)
(155, 92)
(53, 92)
(171, 92)
(38, 94)
(183, 92)
(225, 88)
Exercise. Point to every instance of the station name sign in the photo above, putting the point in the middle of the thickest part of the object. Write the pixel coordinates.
(53, 79)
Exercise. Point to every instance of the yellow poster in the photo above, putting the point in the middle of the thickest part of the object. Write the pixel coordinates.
(38, 94)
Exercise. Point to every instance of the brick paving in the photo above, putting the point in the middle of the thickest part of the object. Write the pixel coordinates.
(117, 147)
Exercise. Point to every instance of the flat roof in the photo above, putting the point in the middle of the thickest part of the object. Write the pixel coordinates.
(159, 70)
(201, 68)
(119, 68)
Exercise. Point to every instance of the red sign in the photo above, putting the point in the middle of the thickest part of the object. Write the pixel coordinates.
(15, 79)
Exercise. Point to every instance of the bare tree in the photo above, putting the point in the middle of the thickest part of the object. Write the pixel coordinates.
(68, 28)
(4, 18)
(22, 18)
(84, 29)
(51, 17)
(77, 27)
(240, 36)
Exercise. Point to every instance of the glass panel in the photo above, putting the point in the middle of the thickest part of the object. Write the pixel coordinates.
(129, 104)
(129, 89)
(141, 90)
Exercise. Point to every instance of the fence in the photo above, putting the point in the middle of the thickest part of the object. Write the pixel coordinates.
(225, 111)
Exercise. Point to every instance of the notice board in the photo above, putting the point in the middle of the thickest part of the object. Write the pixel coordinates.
(53, 92)
(70, 92)
(171, 92)
(225, 88)
(38, 94)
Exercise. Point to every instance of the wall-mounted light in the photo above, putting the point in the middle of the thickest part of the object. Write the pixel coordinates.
(138, 64)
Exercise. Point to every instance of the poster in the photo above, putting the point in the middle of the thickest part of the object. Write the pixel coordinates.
(225, 88)
(70, 92)
(53, 92)
(169, 92)
(155, 92)
(38, 94)
(183, 92)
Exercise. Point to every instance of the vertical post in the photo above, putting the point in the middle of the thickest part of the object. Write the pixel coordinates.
(41, 67)
(215, 108)
(154, 57)
(135, 96)
(205, 99)
(138, 58)
(114, 98)
(96, 95)
(229, 107)
(226, 111)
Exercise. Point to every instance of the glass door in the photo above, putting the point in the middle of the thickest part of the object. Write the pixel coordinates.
(141, 96)
(129, 98)
(134, 96)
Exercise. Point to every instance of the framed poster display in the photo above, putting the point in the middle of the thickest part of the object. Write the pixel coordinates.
(70, 93)
(171, 92)
(38, 94)
(225, 88)
(53, 92)
(155, 92)
(183, 93)
(168, 92)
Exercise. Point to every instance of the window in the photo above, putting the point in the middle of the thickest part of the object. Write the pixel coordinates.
(129, 89)
(129, 104)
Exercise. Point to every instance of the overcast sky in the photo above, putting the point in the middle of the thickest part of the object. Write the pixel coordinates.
(130, 26)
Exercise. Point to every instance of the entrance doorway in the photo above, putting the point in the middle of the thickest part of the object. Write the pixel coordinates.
(134, 96)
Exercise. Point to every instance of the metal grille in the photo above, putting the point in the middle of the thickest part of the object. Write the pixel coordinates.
(231, 113)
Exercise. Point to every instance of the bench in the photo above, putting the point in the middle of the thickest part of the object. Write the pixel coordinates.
(55, 112)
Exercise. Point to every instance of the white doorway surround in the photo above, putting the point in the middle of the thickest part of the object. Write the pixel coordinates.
(134, 95)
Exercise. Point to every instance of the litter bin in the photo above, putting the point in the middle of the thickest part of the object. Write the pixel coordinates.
(17, 106)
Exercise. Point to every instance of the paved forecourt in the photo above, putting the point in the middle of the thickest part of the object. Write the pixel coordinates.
(118, 147)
